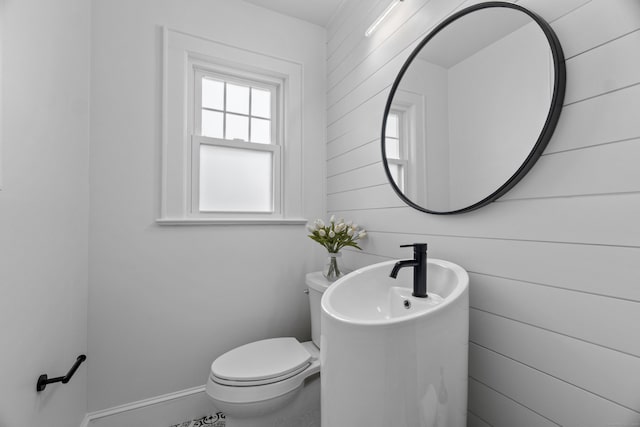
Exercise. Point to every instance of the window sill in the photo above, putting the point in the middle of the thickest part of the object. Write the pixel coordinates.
(230, 221)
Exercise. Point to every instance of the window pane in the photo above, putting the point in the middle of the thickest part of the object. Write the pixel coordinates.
(237, 99)
(260, 103)
(392, 148)
(212, 94)
(235, 179)
(392, 126)
(237, 127)
(261, 131)
(212, 125)
(397, 174)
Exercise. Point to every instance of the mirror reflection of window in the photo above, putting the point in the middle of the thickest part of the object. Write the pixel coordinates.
(395, 146)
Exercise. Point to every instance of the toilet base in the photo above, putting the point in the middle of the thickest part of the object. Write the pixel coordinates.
(302, 411)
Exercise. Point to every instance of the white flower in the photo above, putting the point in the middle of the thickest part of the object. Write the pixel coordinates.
(336, 233)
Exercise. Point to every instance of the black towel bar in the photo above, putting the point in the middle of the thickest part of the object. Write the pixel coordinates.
(43, 379)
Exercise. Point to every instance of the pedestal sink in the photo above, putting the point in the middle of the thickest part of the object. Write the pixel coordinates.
(391, 359)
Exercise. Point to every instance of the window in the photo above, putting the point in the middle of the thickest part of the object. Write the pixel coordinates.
(404, 135)
(236, 151)
(234, 110)
(396, 150)
(232, 146)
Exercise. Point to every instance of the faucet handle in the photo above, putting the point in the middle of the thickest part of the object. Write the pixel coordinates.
(417, 247)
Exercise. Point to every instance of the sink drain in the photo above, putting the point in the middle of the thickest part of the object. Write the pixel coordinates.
(407, 304)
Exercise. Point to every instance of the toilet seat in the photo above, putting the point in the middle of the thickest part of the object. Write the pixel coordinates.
(273, 368)
(261, 362)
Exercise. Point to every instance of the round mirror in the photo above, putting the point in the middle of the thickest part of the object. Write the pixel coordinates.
(473, 107)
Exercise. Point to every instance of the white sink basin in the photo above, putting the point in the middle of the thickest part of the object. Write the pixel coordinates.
(389, 358)
(369, 296)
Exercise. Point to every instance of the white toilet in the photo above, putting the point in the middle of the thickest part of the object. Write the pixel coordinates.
(273, 382)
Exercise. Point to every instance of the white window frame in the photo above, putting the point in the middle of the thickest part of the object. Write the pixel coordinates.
(410, 107)
(200, 70)
(183, 54)
(402, 161)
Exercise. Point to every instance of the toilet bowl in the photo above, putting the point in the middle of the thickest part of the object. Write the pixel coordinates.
(273, 381)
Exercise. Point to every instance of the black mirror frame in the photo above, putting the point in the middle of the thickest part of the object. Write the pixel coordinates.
(547, 130)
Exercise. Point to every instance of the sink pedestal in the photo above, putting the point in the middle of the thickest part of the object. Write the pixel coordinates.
(390, 359)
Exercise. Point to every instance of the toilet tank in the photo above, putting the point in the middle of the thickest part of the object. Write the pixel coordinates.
(317, 284)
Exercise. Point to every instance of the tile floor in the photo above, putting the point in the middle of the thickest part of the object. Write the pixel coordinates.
(215, 420)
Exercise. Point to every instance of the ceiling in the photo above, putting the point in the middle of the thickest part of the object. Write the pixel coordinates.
(472, 33)
(318, 12)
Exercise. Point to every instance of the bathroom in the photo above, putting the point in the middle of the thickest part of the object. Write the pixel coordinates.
(96, 263)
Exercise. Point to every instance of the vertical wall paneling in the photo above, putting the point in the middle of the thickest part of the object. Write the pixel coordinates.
(554, 263)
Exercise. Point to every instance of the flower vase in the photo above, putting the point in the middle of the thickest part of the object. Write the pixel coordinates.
(332, 269)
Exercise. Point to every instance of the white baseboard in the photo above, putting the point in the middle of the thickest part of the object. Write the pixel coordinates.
(182, 404)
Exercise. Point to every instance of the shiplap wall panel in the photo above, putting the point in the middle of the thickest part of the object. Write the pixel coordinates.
(379, 83)
(522, 300)
(586, 72)
(546, 307)
(580, 172)
(566, 404)
(353, 136)
(365, 155)
(566, 236)
(560, 356)
(352, 52)
(353, 17)
(340, 23)
(500, 411)
(592, 15)
(608, 118)
(352, 33)
(370, 175)
(563, 266)
(376, 197)
(609, 219)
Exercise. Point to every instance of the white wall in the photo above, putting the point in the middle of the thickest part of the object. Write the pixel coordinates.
(44, 210)
(555, 305)
(165, 301)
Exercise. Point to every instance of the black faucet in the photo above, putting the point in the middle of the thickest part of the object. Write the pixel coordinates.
(419, 264)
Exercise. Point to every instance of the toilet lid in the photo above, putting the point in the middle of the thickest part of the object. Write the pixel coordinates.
(262, 360)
